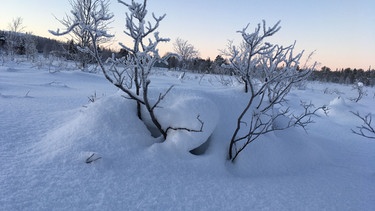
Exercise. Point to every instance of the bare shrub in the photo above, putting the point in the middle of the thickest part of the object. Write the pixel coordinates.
(360, 91)
(134, 69)
(268, 72)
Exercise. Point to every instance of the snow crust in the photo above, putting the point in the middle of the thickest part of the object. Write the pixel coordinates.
(49, 129)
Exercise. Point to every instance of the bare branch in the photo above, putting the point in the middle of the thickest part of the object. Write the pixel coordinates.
(361, 92)
(262, 123)
(366, 129)
(16, 25)
(161, 97)
(92, 158)
(305, 118)
(188, 129)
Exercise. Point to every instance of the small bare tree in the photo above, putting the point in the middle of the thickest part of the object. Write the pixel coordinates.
(140, 61)
(13, 39)
(268, 72)
(135, 68)
(366, 129)
(185, 50)
(16, 25)
(82, 11)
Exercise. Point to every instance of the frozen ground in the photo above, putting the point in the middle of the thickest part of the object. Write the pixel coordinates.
(48, 128)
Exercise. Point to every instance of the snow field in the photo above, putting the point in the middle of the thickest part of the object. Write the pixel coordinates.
(48, 130)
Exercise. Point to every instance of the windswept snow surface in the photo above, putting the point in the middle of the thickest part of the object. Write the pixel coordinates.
(48, 129)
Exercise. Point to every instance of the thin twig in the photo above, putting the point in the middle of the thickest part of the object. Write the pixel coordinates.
(90, 160)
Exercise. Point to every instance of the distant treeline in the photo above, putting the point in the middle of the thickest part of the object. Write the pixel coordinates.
(345, 76)
(198, 65)
(15, 43)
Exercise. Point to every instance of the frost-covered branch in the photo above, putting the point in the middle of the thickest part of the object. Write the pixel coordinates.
(245, 58)
(65, 32)
(305, 118)
(143, 54)
(366, 129)
(262, 123)
(87, 24)
(268, 72)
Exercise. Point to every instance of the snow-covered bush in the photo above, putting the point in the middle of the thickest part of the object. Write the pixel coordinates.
(268, 72)
(130, 73)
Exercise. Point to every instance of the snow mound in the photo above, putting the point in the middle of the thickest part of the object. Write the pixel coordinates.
(107, 128)
(280, 154)
(338, 101)
(338, 107)
(189, 111)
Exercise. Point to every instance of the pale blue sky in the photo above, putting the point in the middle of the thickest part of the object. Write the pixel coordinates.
(341, 31)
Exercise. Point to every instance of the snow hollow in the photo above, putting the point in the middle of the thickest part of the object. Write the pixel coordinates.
(61, 151)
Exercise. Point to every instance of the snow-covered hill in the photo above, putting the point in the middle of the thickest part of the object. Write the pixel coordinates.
(49, 130)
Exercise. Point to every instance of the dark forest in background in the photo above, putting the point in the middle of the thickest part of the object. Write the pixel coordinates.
(16, 43)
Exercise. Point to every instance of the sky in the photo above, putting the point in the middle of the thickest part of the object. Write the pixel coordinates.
(341, 33)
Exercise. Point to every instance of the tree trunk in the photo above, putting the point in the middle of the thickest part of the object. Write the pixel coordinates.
(137, 92)
(151, 111)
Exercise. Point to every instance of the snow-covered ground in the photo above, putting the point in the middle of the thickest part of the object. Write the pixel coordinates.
(49, 128)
